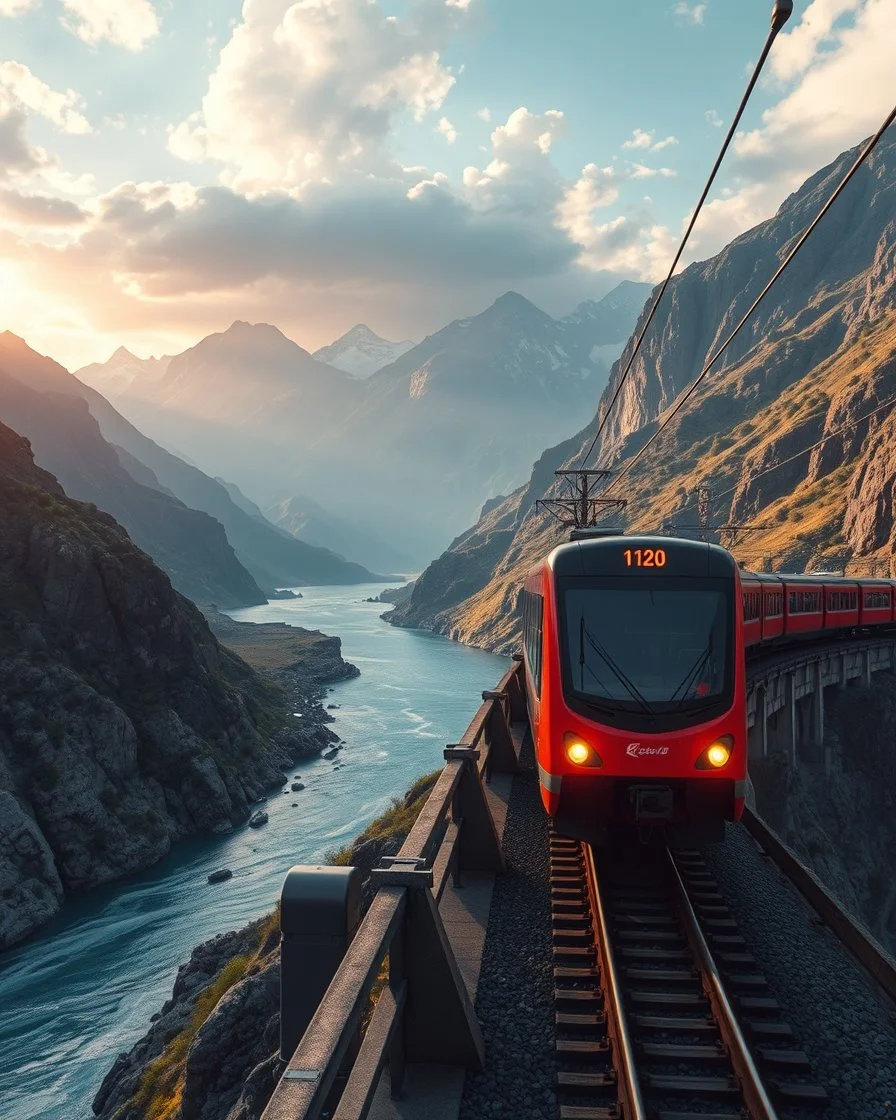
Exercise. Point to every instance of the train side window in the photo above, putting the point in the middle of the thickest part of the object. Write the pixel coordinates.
(533, 616)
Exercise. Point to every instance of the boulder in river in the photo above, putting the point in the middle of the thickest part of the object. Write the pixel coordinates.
(331, 753)
(258, 819)
(221, 875)
(296, 786)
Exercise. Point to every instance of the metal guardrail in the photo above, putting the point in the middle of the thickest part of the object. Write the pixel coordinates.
(423, 1013)
(865, 948)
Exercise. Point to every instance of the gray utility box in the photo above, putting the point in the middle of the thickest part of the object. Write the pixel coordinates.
(320, 908)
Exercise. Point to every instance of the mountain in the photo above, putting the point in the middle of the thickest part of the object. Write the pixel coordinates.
(817, 357)
(302, 517)
(125, 373)
(601, 327)
(410, 452)
(272, 557)
(189, 545)
(238, 394)
(124, 726)
(360, 352)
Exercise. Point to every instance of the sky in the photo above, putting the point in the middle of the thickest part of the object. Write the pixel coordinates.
(169, 166)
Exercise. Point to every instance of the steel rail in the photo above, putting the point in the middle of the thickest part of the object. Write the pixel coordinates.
(617, 1021)
(756, 1097)
(867, 951)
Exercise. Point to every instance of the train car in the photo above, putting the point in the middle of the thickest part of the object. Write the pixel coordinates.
(841, 604)
(875, 602)
(803, 604)
(634, 651)
(762, 596)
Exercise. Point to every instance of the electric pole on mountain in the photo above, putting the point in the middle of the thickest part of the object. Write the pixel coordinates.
(580, 505)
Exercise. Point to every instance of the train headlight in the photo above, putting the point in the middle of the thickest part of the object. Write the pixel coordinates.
(579, 752)
(717, 755)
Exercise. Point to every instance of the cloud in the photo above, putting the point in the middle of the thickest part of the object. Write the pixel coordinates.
(639, 171)
(639, 139)
(19, 87)
(310, 91)
(17, 156)
(127, 23)
(713, 118)
(798, 48)
(16, 7)
(691, 13)
(447, 129)
(643, 140)
(39, 209)
(484, 114)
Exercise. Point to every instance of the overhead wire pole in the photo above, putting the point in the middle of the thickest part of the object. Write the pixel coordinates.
(685, 397)
(781, 12)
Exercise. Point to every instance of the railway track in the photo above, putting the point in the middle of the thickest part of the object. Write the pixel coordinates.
(660, 1010)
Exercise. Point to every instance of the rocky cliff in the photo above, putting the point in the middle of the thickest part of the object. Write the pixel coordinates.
(124, 725)
(816, 363)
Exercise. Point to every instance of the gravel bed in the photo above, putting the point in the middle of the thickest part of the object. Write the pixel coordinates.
(515, 997)
(845, 1025)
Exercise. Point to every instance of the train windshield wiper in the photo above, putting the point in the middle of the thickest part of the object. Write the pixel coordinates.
(692, 674)
(611, 664)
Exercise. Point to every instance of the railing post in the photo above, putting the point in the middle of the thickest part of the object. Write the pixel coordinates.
(502, 757)
(478, 846)
(320, 908)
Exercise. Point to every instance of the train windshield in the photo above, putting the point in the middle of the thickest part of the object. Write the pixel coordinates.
(654, 648)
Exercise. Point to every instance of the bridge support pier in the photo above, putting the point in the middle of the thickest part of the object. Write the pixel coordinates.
(757, 735)
(782, 725)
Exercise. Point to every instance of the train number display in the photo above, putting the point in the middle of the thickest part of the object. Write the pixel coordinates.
(645, 557)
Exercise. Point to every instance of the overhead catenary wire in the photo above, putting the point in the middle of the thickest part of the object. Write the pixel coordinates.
(780, 14)
(686, 395)
(888, 403)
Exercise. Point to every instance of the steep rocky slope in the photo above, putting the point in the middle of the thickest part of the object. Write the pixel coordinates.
(273, 557)
(819, 356)
(188, 544)
(124, 726)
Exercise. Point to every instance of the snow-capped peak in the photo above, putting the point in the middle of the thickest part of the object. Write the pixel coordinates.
(360, 352)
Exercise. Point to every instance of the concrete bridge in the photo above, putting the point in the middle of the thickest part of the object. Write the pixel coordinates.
(785, 694)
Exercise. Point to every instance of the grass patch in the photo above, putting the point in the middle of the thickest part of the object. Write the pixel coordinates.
(394, 824)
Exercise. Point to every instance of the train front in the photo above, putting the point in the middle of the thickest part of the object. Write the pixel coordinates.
(645, 697)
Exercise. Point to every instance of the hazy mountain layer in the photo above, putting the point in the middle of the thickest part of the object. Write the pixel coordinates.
(304, 518)
(415, 449)
(819, 356)
(271, 556)
(189, 545)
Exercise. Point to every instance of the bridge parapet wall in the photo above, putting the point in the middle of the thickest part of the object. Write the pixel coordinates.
(785, 694)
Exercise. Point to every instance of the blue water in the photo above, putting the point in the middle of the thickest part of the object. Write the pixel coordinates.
(83, 989)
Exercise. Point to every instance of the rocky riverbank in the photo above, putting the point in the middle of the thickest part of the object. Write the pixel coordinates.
(211, 1052)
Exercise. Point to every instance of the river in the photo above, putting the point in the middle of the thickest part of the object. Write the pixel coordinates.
(76, 994)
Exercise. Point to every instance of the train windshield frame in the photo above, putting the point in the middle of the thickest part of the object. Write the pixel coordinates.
(647, 651)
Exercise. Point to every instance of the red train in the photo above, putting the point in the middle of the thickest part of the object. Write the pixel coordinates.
(635, 651)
